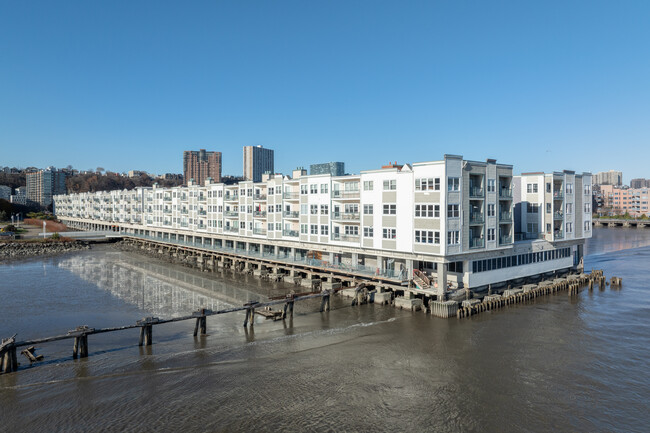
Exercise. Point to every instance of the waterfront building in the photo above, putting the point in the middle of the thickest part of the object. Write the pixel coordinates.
(200, 165)
(451, 219)
(42, 185)
(257, 161)
(332, 168)
(621, 200)
(611, 177)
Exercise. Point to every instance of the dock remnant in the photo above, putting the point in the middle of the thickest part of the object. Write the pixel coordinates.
(80, 346)
(8, 359)
(29, 354)
(201, 321)
(146, 325)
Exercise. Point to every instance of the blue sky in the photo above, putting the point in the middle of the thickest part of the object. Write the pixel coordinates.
(131, 84)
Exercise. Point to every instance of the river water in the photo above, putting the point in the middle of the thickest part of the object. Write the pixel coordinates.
(558, 363)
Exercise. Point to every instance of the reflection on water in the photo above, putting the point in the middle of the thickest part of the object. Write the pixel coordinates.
(558, 363)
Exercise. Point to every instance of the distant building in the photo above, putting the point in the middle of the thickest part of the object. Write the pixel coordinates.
(619, 200)
(200, 165)
(640, 183)
(136, 173)
(172, 176)
(42, 185)
(331, 168)
(257, 161)
(5, 192)
(611, 177)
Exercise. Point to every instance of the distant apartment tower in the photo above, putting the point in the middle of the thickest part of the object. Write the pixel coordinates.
(5, 192)
(640, 183)
(200, 165)
(42, 185)
(331, 168)
(257, 161)
(611, 177)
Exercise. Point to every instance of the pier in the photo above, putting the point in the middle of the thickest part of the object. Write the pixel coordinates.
(615, 222)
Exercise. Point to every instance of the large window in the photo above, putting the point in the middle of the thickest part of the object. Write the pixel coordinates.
(388, 233)
(367, 209)
(367, 185)
(453, 184)
(367, 232)
(453, 211)
(427, 184)
(390, 185)
(453, 237)
(427, 237)
(427, 211)
(390, 209)
(531, 188)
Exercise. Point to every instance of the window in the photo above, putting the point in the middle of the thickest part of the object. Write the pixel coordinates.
(531, 228)
(351, 230)
(426, 210)
(303, 209)
(367, 232)
(390, 185)
(569, 188)
(427, 237)
(367, 209)
(587, 189)
(548, 207)
(388, 233)
(313, 209)
(324, 188)
(313, 229)
(269, 226)
(569, 227)
(491, 210)
(453, 184)
(324, 209)
(324, 230)
(313, 189)
(491, 234)
(278, 207)
(587, 207)
(303, 229)
(531, 188)
(367, 185)
(569, 208)
(452, 211)
(587, 226)
(242, 225)
(436, 185)
(548, 187)
(453, 237)
(425, 184)
(270, 190)
(532, 208)
(303, 189)
(390, 209)
(491, 185)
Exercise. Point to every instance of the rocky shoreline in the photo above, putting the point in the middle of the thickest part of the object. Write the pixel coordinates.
(17, 250)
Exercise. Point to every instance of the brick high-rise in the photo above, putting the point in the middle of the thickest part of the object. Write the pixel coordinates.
(199, 165)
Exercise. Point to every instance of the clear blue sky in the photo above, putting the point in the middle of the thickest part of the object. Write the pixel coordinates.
(545, 85)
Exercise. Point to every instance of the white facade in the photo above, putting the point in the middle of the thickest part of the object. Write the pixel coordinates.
(439, 216)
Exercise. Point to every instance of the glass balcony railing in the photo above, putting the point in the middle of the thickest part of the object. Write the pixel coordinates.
(476, 242)
(231, 197)
(505, 217)
(259, 231)
(344, 237)
(290, 195)
(476, 192)
(290, 233)
(259, 214)
(476, 218)
(558, 215)
(231, 229)
(558, 195)
(345, 194)
(505, 193)
(504, 240)
(345, 216)
(231, 214)
(291, 214)
(259, 197)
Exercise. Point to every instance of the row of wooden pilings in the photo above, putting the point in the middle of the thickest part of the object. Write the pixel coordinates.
(9, 359)
(511, 297)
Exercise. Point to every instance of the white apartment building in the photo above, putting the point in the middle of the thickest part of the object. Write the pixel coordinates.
(452, 219)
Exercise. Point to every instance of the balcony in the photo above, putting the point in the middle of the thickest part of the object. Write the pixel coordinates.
(259, 231)
(203, 212)
(290, 233)
(344, 238)
(201, 227)
(167, 210)
(505, 193)
(231, 229)
(504, 240)
(259, 197)
(184, 211)
(345, 216)
(558, 215)
(476, 218)
(291, 214)
(290, 195)
(166, 198)
(505, 217)
(345, 194)
(558, 195)
(231, 214)
(558, 234)
(476, 192)
(476, 242)
(231, 197)
(202, 198)
(259, 214)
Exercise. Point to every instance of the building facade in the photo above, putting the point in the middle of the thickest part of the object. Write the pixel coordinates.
(200, 165)
(332, 168)
(620, 200)
(452, 219)
(42, 185)
(640, 183)
(5, 192)
(257, 161)
(611, 177)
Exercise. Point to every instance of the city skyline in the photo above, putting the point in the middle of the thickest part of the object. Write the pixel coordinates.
(86, 85)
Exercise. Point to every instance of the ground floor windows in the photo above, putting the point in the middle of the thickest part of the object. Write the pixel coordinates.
(518, 260)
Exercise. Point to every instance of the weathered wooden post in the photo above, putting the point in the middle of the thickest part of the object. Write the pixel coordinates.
(80, 348)
(325, 302)
(146, 330)
(250, 313)
(201, 321)
(8, 359)
(288, 306)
